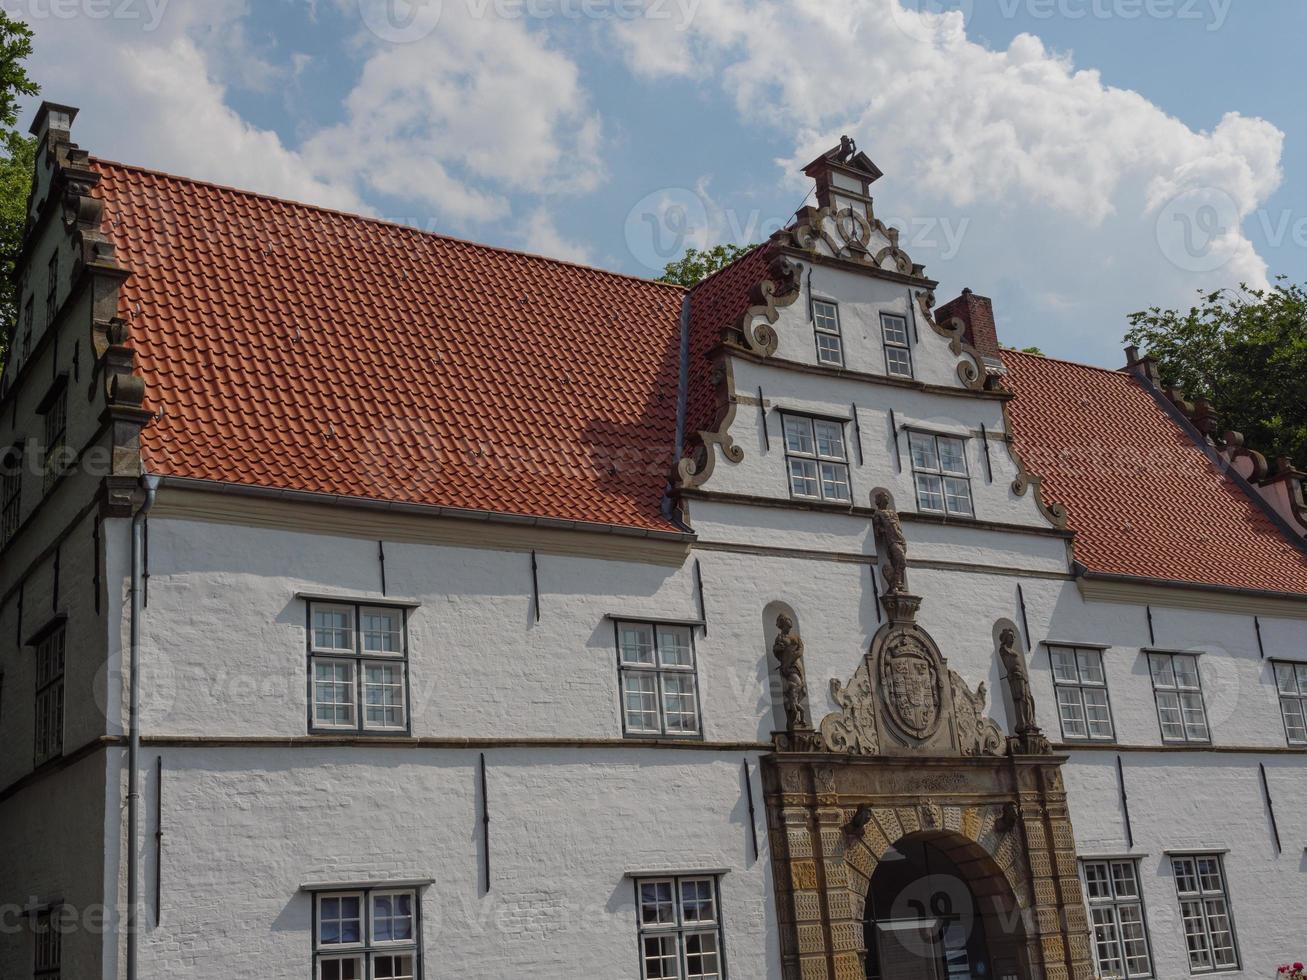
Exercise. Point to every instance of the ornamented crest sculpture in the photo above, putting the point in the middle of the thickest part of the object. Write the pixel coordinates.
(903, 698)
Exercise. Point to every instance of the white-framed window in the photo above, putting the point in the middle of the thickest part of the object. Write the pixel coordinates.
(826, 325)
(939, 466)
(1179, 693)
(1116, 913)
(56, 435)
(1082, 701)
(1291, 681)
(1205, 912)
(817, 458)
(659, 680)
(47, 933)
(50, 696)
(358, 668)
(370, 934)
(11, 490)
(898, 352)
(680, 928)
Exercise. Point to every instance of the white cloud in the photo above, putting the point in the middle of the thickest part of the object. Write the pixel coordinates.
(1070, 187)
(540, 235)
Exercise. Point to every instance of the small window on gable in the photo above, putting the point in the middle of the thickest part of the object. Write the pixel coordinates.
(56, 433)
(826, 322)
(898, 353)
(47, 928)
(52, 289)
(50, 696)
(939, 466)
(817, 458)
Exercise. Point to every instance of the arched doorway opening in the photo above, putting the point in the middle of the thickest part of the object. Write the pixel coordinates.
(939, 908)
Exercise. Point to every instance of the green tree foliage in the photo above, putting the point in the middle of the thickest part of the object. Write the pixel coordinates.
(1246, 351)
(696, 266)
(16, 166)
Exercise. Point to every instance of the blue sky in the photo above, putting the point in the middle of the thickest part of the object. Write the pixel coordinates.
(1075, 159)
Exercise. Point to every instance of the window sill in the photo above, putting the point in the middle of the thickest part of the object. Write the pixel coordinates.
(356, 733)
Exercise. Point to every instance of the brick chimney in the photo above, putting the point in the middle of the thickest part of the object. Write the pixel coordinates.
(977, 314)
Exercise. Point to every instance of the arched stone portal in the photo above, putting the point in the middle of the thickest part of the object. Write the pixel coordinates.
(910, 756)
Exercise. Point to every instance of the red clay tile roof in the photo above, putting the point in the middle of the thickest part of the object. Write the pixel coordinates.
(288, 346)
(1144, 499)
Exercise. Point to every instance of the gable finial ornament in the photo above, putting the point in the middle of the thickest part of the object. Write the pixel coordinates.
(1027, 738)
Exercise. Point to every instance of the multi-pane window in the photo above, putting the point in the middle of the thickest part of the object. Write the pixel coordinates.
(826, 323)
(660, 689)
(11, 487)
(52, 289)
(939, 465)
(1179, 693)
(1205, 911)
(28, 316)
(366, 935)
(898, 354)
(48, 936)
(1291, 680)
(50, 696)
(817, 458)
(358, 668)
(1116, 909)
(56, 434)
(1082, 701)
(680, 929)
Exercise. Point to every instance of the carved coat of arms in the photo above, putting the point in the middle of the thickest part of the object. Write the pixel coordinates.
(911, 685)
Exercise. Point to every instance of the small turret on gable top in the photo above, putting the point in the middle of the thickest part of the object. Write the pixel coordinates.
(53, 128)
(844, 175)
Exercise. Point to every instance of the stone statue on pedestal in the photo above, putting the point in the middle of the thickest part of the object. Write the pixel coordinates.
(788, 650)
(890, 540)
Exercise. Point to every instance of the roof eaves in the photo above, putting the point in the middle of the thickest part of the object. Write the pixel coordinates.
(422, 510)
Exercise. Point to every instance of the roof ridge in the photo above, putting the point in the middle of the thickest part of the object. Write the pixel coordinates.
(339, 212)
(1063, 360)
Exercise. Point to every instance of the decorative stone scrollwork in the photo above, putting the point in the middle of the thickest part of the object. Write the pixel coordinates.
(977, 733)
(780, 289)
(853, 729)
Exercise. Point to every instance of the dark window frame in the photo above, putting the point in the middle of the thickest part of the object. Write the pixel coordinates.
(47, 944)
(1202, 896)
(1081, 685)
(905, 346)
(11, 492)
(1116, 903)
(679, 930)
(368, 949)
(816, 457)
(54, 409)
(359, 660)
(1299, 669)
(819, 331)
(657, 670)
(52, 288)
(1177, 690)
(940, 474)
(29, 319)
(49, 715)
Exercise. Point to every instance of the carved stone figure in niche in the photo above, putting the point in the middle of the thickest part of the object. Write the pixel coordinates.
(889, 537)
(788, 650)
(1029, 740)
(1018, 682)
